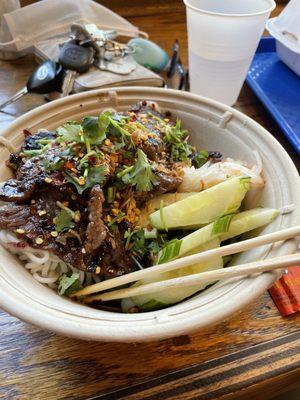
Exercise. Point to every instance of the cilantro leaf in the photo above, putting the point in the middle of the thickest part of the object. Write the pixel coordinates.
(116, 129)
(69, 132)
(68, 284)
(175, 137)
(95, 128)
(141, 174)
(95, 175)
(139, 245)
(200, 158)
(103, 122)
(63, 221)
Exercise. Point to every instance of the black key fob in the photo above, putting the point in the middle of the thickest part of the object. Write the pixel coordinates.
(75, 57)
(44, 78)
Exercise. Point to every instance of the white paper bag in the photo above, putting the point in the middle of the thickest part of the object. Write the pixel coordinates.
(25, 27)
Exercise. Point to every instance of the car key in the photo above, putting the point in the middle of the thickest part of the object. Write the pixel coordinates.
(74, 59)
(45, 79)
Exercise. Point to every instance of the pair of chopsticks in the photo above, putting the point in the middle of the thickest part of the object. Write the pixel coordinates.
(203, 277)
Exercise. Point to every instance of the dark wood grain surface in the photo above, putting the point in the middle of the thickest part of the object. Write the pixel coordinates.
(253, 355)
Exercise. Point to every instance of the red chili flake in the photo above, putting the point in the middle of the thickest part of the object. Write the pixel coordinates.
(32, 209)
(20, 245)
(27, 132)
(92, 160)
(69, 165)
(133, 118)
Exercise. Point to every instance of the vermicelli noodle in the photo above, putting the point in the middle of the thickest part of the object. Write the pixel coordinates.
(44, 266)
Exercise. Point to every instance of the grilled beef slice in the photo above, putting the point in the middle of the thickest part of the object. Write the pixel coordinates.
(96, 231)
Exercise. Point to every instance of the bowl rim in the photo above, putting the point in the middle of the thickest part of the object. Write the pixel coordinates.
(246, 290)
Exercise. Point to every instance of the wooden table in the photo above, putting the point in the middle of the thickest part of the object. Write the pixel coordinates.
(254, 355)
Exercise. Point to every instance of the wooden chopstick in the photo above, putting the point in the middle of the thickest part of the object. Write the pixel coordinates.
(192, 259)
(202, 277)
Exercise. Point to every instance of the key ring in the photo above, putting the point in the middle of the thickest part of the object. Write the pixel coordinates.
(113, 49)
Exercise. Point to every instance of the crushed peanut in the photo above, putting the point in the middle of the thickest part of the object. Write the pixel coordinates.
(48, 180)
(20, 231)
(107, 142)
(39, 240)
(54, 233)
(98, 270)
(77, 216)
(81, 180)
(83, 251)
(42, 212)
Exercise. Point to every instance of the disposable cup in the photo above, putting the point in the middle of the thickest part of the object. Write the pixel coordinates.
(222, 38)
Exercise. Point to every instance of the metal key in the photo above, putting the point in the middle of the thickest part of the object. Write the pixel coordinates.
(74, 59)
(45, 79)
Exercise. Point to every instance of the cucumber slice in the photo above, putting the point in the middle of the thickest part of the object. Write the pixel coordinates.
(223, 228)
(249, 220)
(203, 207)
(154, 301)
(154, 204)
(203, 239)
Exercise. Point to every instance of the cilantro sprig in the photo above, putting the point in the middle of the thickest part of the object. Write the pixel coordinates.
(140, 174)
(95, 175)
(175, 138)
(140, 245)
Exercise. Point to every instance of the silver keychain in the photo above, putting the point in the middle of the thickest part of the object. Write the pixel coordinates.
(122, 66)
(109, 54)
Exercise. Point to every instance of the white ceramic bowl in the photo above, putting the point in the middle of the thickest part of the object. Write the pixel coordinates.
(213, 126)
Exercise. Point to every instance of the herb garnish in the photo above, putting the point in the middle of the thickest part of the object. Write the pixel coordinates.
(140, 174)
(63, 221)
(94, 128)
(199, 159)
(69, 132)
(175, 137)
(95, 175)
(68, 284)
(139, 245)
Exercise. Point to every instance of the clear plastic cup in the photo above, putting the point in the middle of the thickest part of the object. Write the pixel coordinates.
(223, 36)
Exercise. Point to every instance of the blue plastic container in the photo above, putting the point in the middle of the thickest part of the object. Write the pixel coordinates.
(278, 87)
